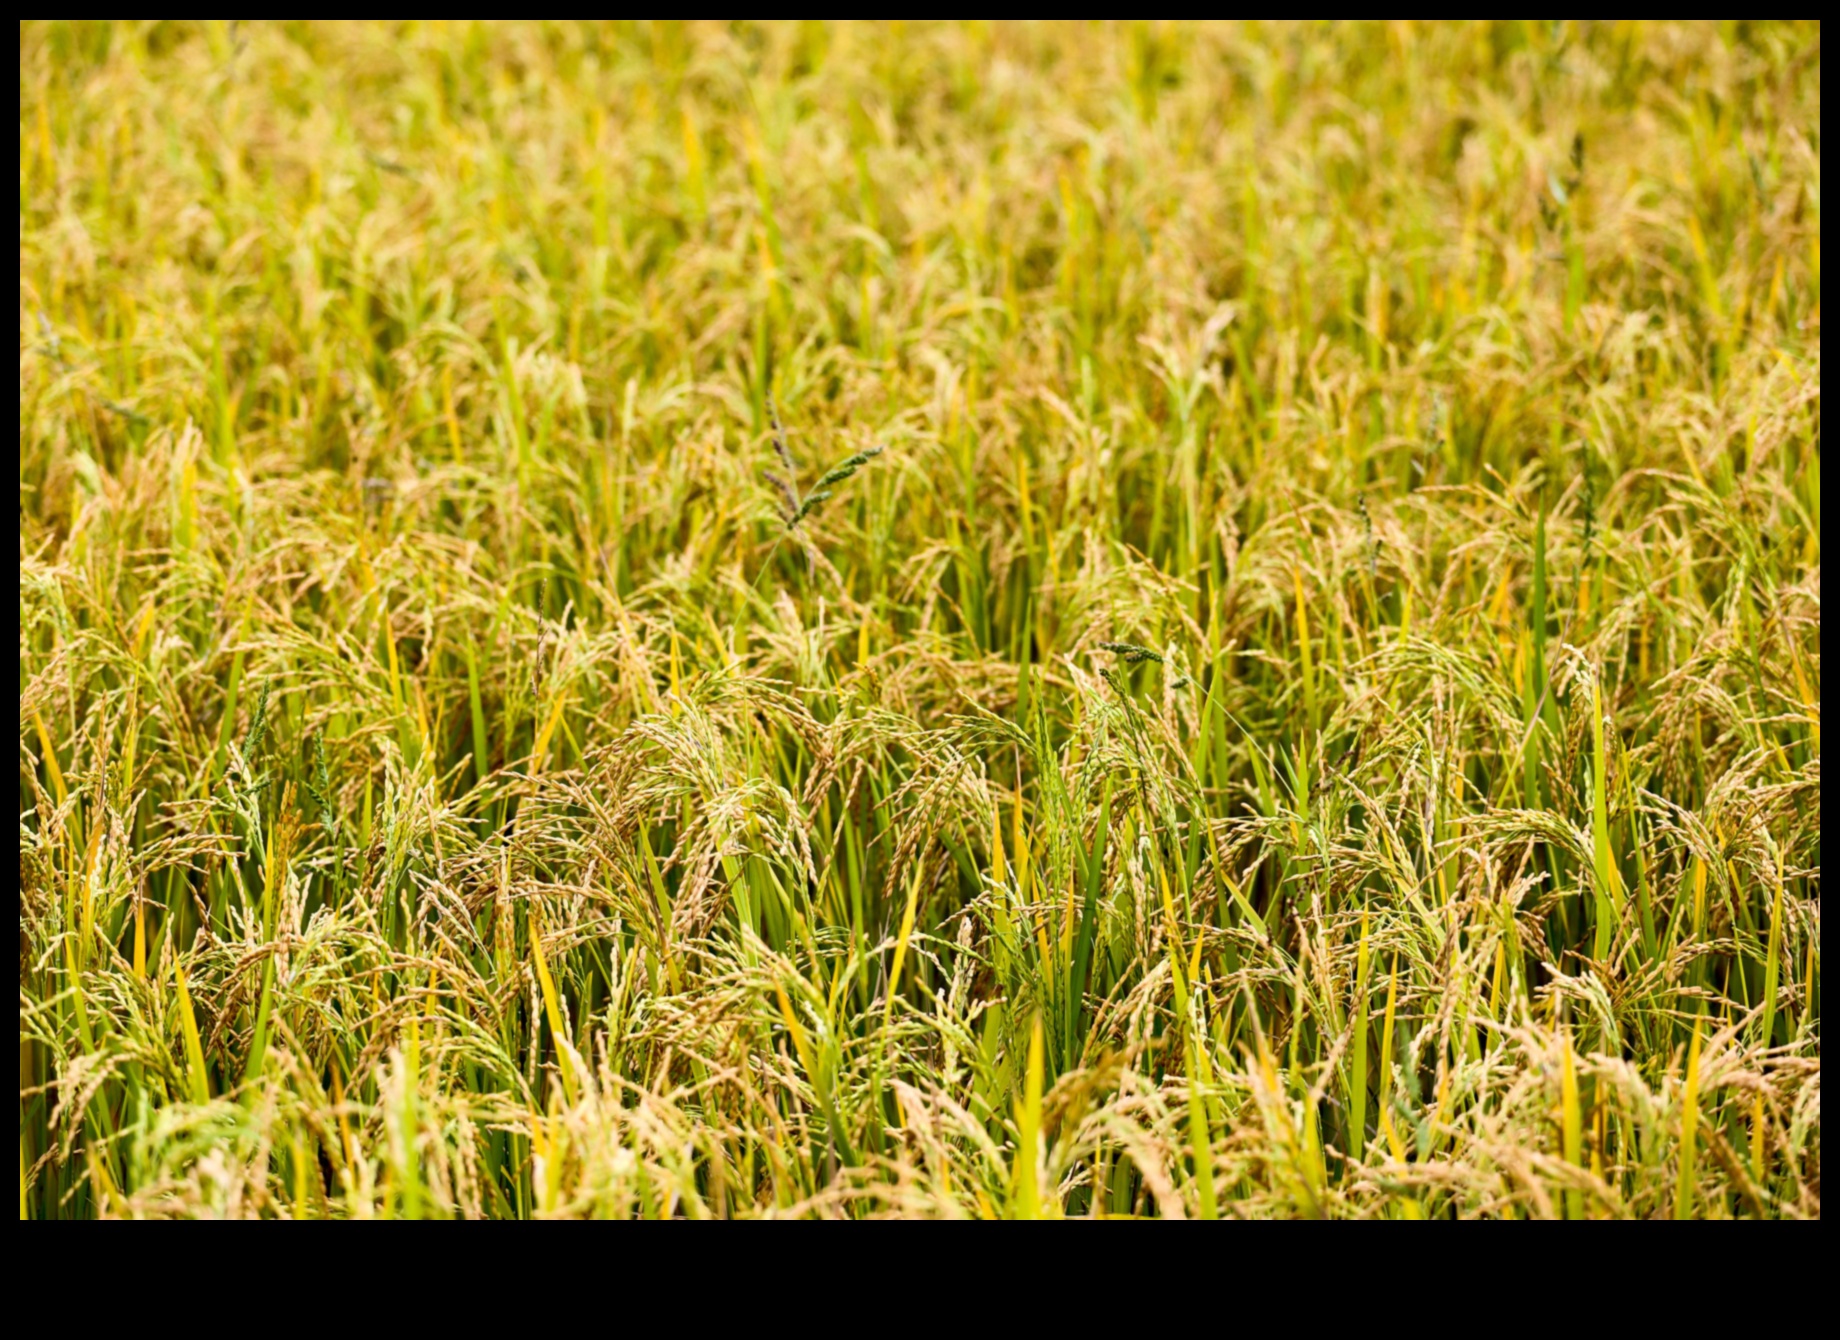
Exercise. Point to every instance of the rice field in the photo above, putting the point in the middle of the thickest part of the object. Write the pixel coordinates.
(859, 621)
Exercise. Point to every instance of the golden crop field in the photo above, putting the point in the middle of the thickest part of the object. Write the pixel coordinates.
(885, 620)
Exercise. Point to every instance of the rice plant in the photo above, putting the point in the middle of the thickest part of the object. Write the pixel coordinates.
(969, 621)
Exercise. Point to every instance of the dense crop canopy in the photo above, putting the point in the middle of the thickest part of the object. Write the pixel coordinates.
(882, 620)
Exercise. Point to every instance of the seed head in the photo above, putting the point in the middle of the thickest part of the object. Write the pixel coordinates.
(1130, 653)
